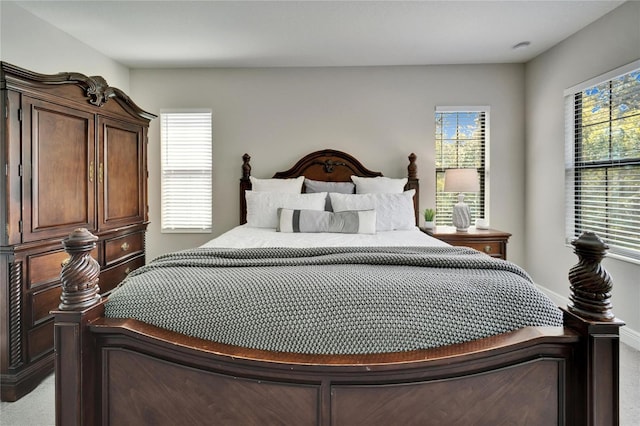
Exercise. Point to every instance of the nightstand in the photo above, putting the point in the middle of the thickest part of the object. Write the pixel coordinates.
(489, 241)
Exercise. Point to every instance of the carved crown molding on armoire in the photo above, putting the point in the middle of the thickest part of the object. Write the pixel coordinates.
(96, 88)
(74, 155)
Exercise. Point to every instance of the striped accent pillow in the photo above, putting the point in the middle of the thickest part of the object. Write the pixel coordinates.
(346, 222)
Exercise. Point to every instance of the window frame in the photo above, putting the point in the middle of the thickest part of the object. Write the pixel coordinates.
(575, 165)
(483, 169)
(206, 226)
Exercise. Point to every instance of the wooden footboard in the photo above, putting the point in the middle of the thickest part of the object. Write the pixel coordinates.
(155, 377)
(111, 371)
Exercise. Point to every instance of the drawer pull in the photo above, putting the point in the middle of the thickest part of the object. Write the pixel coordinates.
(487, 249)
(125, 246)
(65, 262)
(127, 271)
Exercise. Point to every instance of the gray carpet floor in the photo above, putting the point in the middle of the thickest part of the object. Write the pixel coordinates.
(37, 408)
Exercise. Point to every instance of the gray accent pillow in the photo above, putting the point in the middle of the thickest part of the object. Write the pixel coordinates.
(321, 186)
(347, 222)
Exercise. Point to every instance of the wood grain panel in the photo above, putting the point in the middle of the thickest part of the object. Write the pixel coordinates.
(61, 151)
(62, 147)
(168, 395)
(526, 394)
(121, 169)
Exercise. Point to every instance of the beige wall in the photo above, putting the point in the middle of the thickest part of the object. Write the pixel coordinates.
(378, 114)
(29, 42)
(607, 44)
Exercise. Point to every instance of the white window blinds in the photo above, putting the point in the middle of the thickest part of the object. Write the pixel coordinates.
(186, 170)
(602, 160)
(461, 142)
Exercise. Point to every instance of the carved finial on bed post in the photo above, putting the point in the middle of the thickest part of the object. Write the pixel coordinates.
(412, 168)
(245, 185)
(412, 183)
(80, 272)
(246, 167)
(590, 282)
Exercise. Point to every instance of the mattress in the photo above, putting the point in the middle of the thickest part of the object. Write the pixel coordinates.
(247, 237)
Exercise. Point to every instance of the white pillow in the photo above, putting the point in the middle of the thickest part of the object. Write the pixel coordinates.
(378, 185)
(292, 186)
(393, 211)
(262, 207)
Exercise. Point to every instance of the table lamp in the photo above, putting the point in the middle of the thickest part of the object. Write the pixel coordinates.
(461, 181)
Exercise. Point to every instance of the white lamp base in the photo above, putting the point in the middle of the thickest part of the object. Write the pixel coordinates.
(461, 215)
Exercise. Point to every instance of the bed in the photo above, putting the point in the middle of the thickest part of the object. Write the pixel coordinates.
(338, 369)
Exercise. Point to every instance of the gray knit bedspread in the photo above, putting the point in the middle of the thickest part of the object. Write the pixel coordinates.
(333, 300)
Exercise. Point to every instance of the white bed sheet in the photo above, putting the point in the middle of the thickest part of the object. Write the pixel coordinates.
(244, 236)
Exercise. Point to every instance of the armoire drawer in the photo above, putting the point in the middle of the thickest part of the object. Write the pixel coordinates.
(111, 277)
(40, 340)
(119, 248)
(44, 268)
(43, 302)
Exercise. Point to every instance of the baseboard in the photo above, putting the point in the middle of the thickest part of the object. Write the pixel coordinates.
(628, 336)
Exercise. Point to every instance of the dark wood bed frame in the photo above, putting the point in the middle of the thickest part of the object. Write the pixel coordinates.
(121, 371)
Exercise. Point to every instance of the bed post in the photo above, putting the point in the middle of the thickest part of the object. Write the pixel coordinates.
(412, 183)
(245, 184)
(74, 346)
(598, 364)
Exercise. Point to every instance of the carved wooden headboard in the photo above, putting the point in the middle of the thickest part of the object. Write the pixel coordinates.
(327, 165)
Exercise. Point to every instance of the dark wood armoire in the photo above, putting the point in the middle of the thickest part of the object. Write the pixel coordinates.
(73, 155)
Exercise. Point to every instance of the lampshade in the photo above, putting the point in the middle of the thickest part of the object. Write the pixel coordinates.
(461, 180)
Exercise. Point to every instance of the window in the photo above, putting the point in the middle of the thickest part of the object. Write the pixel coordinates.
(461, 142)
(186, 170)
(603, 160)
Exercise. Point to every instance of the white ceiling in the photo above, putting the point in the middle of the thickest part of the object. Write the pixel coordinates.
(179, 33)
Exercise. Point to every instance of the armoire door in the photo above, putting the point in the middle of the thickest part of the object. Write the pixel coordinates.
(58, 169)
(121, 173)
